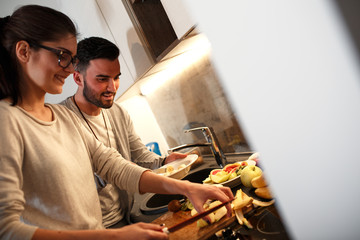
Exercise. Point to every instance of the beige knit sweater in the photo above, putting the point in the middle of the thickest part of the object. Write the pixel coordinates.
(46, 173)
(115, 203)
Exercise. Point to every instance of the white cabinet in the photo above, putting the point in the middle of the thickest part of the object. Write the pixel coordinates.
(131, 48)
(179, 16)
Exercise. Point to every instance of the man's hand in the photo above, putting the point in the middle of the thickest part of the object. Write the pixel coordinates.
(174, 156)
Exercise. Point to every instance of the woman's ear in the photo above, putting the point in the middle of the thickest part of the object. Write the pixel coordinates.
(22, 50)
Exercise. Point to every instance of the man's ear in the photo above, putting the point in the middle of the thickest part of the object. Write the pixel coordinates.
(78, 78)
(22, 51)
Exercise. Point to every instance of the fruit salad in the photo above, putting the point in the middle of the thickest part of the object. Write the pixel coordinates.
(229, 172)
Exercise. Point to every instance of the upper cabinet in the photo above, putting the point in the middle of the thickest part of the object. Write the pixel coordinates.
(179, 16)
(126, 38)
(153, 25)
(145, 30)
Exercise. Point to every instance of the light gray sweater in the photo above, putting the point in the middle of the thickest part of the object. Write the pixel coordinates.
(46, 173)
(116, 203)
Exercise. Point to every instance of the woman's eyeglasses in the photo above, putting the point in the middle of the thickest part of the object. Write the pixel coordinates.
(65, 58)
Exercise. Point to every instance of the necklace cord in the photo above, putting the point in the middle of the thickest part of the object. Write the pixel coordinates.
(100, 180)
(107, 131)
(73, 97)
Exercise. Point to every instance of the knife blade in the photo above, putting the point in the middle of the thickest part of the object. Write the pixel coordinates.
(195, 218)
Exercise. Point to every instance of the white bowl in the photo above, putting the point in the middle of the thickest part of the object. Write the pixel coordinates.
(178, 173)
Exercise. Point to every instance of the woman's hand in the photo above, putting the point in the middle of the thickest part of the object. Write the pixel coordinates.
(140, 231)
(198, 194)
(135, 231)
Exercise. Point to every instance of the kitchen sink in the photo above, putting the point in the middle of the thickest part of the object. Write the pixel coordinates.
(157, 203)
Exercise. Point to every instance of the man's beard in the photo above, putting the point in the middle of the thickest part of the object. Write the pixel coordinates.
(91, 97)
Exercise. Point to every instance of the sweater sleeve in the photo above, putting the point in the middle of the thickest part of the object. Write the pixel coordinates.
(12, 199)
(110, 165)
(139, 153)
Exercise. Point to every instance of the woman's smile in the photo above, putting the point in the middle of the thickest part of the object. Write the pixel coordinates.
(60, 78)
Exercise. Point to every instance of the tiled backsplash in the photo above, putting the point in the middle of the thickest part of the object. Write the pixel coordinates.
(195, 98)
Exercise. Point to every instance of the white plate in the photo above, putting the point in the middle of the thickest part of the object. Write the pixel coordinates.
(178, 173)
(236, 181)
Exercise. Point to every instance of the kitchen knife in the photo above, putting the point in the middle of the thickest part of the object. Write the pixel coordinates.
(194, 218)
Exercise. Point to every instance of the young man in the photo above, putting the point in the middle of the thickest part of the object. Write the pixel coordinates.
(97, 76)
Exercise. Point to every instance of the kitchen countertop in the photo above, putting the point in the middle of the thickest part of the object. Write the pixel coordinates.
(138, 216)
(266, 221)
(208, 162)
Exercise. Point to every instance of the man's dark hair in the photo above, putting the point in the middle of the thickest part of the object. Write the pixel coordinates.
(94, 48)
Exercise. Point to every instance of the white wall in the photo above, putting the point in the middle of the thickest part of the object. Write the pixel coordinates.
(290, 72)
(145, 122)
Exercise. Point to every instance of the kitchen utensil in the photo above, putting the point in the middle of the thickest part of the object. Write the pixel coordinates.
(195, 218)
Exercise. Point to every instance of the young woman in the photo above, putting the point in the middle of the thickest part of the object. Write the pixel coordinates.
(47, 159)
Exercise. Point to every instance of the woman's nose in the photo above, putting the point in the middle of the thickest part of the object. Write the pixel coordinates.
(70, 69)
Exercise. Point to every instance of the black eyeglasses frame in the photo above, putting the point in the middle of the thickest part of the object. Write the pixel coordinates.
(59, 53)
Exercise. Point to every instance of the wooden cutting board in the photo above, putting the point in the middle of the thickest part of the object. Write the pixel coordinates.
(191, 231)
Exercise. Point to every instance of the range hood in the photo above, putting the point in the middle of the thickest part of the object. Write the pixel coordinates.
(187, 52)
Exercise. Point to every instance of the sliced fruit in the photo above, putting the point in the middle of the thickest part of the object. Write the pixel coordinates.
(247, 223)
(186, 205)
(248, 173)
(202, 223)
(259, 181)
(207, 180)
(214, 216)
(214, 204)
(219, 176)
(241, 167)
(215, 171)
(258, 203)
(244, 163)
(263, 192)
(193, 212)
(220, 213)
(231, 167)
(241, 200)
(190, 205)
(206, 205)
(233, 175)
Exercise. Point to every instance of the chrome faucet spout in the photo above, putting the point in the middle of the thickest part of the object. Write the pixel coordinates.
(187, 146)
(212, 142)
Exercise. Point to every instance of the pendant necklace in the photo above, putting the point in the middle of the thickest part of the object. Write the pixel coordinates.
(102, 113)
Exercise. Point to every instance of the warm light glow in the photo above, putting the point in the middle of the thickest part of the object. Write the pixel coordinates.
(198, 49)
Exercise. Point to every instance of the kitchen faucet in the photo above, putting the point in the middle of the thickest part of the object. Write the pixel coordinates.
(212, 142)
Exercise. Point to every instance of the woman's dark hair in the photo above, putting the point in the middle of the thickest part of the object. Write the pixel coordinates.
(94, 48)
(34, 24)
